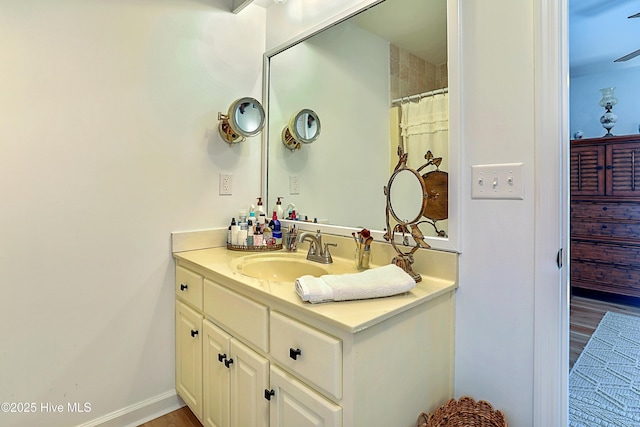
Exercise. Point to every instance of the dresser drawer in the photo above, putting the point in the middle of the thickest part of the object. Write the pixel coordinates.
(616, 229)
(309, 353)
(605, 278)
(609, 253)
(605, 210)
(241, 316)
(189, 286)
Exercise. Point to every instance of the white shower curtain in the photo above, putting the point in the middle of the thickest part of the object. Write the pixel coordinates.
(425, 126)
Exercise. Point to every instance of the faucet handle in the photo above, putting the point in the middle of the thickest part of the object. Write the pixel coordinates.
(326, 254)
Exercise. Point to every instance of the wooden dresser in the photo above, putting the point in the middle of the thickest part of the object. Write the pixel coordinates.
(605, 214)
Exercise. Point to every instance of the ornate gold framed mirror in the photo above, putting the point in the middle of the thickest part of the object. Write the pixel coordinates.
(413, 200)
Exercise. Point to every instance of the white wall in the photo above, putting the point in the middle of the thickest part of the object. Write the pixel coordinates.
(495, 301)
(108, 142)
(585, 95)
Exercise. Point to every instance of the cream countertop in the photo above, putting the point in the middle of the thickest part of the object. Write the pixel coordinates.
(219, 265)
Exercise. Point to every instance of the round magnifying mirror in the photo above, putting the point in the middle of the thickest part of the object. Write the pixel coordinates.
(303, 128)
(245, 118)
(406, 196)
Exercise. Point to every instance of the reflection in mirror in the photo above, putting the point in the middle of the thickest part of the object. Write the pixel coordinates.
(405, 196)
(303, 128)
(245, 117)
(360, 72)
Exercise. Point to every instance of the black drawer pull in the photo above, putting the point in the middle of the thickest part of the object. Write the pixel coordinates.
(604, 227)
(221, 357)
(609, 167)
(604, 208)
(194, 332)
(183, 287)
(269, 393)
(294, 353)
(228, 362)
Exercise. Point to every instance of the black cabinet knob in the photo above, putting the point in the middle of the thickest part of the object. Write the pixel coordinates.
(221, 357)
(227, 363)
(194, 332)
(269, 393)
(183, 287)
(294, 353)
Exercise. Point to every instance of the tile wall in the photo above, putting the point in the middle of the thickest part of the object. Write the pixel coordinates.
(411, 75)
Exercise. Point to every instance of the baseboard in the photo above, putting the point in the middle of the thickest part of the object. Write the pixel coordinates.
(139, 413)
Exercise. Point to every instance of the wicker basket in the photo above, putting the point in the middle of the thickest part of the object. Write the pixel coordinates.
(465, 412)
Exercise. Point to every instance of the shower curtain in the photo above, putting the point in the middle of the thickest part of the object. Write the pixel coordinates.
(424, 126)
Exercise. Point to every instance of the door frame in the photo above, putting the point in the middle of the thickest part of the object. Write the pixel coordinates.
(551, 282)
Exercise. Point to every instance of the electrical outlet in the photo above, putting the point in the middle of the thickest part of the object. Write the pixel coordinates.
(225, 184)
(294, 185)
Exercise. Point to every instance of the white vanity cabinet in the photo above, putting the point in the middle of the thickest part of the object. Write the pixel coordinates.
(234, 380)
(189, 338)
(268, 359)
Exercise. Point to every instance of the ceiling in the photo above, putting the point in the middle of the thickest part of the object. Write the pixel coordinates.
(600, 32)
(418, 26)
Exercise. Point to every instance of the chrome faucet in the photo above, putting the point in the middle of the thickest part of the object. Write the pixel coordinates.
(317, 252)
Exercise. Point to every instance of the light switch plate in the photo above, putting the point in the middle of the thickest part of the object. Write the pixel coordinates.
(500, 181)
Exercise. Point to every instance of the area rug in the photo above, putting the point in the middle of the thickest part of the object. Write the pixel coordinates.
(604, 383)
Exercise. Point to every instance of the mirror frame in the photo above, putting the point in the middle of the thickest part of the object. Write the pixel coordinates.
(454, 51)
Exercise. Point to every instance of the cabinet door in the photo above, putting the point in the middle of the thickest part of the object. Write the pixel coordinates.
(587, 171)
(623, 169)
(249, 380)
(215, 385)
(189, 357)
(295, 405)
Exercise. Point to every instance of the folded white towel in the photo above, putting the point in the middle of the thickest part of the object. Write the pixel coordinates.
(375, 283)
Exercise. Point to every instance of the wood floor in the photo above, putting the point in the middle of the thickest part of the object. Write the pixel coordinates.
(586, 313)
(585, 316)
(183, 417)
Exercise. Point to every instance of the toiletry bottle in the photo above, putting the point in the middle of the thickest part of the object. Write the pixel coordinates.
(229, 236)
(230, 232)
(234, 232)
(243, 216)
(252, 218)
(257, 237)
(260, 208)
(250, 233)
(262, 221)
(279, 210)
(276, 228)
(267, 237)
(243, 232)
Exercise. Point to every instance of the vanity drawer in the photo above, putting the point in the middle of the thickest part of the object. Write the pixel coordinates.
(189, 286)
(241, 316)
(311, 354)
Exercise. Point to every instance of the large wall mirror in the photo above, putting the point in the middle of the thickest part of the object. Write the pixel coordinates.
(355, 74)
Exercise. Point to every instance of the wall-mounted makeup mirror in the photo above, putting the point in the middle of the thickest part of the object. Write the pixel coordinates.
(350, 70)
(245, 117)
(303, 128)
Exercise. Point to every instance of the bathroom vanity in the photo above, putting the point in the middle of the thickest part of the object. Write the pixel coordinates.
(249, 352)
